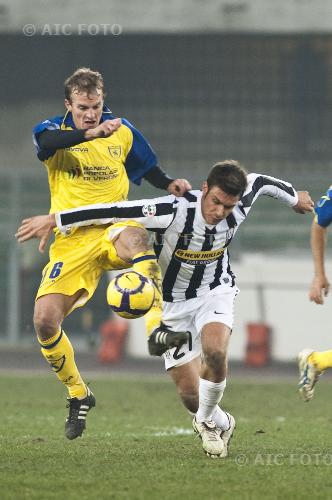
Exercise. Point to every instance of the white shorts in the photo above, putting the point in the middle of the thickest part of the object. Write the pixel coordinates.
(191, 315)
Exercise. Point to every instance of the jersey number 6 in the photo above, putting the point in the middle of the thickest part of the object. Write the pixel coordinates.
(56, 270)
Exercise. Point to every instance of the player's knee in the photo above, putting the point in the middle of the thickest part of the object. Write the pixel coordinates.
(45, 326)
(135, 240)
(216, 359)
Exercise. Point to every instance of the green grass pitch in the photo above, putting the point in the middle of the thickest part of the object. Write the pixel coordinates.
(139, 444)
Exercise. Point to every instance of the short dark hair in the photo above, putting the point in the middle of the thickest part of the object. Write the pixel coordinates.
(229, 176)
(84, 80)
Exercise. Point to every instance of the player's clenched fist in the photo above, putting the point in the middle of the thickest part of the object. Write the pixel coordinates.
(178, 187)
(105, 129)
(304, 204)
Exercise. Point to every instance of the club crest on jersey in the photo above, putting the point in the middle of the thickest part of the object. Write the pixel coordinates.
(229, 235)
(149, 210)
(115, 151)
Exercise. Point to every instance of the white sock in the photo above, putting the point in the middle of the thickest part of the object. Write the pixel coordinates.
(221, 419)
(210, 393)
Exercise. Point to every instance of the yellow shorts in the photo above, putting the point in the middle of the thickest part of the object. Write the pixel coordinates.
(77, 261)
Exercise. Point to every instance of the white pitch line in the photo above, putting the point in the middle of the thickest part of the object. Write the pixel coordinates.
(174, 431)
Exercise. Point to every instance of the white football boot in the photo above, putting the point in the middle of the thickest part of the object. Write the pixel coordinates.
(309, 375)
(226, 436)
(209, 433)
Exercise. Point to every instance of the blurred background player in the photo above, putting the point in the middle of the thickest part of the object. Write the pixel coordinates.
(313, 363)
(90, 156)
(199, 287)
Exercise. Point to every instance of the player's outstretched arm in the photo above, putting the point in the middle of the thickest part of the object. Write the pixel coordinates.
(40, 227)
(304, 204)
(320, 285)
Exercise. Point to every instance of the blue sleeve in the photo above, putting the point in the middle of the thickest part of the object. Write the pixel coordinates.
(141, 157)
(323, 210)
(51, 124)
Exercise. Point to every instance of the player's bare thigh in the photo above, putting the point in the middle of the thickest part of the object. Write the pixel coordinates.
(186, 379)
(50, 311)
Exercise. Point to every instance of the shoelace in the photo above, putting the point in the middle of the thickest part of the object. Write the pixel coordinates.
(213, 431)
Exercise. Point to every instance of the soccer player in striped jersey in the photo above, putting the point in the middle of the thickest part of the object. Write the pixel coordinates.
(90, 155)
(312, 363)
(193, 234)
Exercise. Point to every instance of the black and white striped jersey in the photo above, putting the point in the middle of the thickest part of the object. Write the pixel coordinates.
(193, 255)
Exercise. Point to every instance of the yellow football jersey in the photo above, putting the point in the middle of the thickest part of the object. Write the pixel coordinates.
(94, 171)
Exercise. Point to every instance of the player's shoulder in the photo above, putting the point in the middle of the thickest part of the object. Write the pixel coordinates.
(126, 123)
(328, 194)
(53, 123)
(126, 128)
(323, 209)
(129, 130)
(136, 138)
(325, 201)
(251, 179)
(132, 130)
(191, 196)
(252, 176)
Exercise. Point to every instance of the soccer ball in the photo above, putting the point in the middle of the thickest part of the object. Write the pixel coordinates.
(130, 295)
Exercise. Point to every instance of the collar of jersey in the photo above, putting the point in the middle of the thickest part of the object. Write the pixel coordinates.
(69, 122)
(199, 211)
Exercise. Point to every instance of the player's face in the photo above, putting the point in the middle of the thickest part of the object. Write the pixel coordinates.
(86, 109)
(217, 205)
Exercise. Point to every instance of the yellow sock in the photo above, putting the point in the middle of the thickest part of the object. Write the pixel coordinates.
(146, 264)
(321, 360)
(59, 353)
(153, 316)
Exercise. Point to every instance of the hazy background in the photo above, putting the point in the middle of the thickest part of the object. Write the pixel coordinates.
(204, 81)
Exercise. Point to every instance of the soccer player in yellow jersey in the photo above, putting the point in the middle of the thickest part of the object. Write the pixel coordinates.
(90, 156)
(313, 363)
